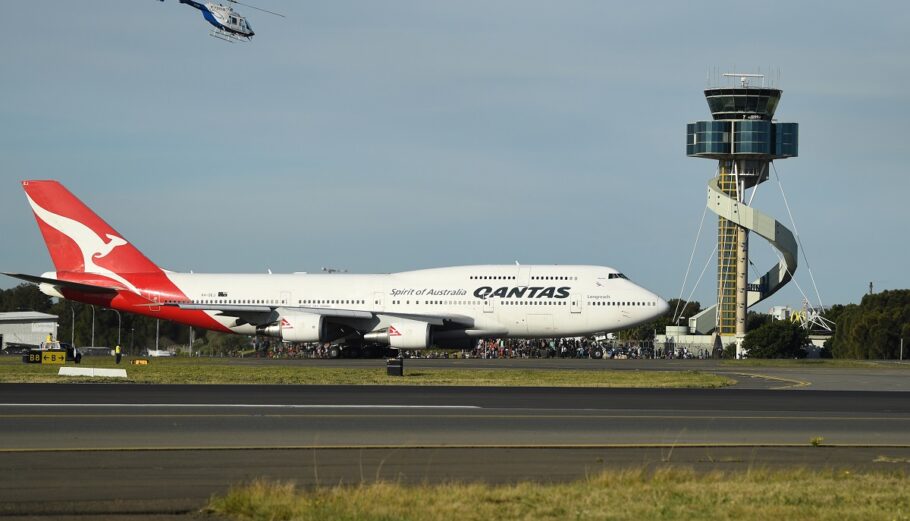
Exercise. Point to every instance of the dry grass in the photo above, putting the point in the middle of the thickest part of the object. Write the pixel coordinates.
(220, 371)
(615, 495)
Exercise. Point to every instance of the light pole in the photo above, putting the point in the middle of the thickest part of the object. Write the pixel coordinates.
(73, 327)
(119, 323)
(93, 326)
(132, 330)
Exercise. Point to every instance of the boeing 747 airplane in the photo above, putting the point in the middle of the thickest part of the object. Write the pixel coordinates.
(445, 307)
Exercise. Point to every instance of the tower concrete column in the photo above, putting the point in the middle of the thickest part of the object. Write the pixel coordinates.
(742, 281)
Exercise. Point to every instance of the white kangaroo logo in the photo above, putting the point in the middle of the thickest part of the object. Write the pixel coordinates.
(90, 243)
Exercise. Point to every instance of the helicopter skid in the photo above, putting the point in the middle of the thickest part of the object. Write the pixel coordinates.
(226, 36)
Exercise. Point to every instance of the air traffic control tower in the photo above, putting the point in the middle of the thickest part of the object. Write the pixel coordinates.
(744, 138)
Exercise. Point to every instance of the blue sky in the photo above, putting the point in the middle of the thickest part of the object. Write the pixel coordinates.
(395, 135)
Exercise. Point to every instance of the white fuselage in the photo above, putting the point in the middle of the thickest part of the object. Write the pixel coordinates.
(501, 300)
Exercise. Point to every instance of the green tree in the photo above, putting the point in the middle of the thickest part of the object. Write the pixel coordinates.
(646, 331)
(834, 312)
(225, 343)
(872, 329)
(756, 320)
(24, 297)
(776, 339)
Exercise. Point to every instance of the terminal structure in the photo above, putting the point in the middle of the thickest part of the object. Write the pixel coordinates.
(744, 138)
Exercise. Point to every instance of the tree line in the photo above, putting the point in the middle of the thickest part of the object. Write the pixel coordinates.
(872, 329)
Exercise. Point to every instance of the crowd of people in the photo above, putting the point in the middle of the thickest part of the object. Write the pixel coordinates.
(579, 348)
(537, 348)
(502, 348)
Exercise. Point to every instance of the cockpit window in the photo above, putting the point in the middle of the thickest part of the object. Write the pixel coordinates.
(618, 276)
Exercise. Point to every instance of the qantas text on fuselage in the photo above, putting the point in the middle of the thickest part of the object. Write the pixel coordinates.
(446, 307)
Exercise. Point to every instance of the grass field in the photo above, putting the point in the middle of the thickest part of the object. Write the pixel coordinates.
(615, 495)
(221, 371)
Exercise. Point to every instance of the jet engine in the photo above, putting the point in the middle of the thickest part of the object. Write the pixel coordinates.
(403, 334)
(302, 327)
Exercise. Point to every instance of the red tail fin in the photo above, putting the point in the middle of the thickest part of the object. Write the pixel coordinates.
(77, 239)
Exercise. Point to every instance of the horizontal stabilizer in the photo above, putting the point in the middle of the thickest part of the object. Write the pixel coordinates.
(65, 284)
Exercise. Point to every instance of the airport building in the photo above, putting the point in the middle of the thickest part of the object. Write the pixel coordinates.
(743, 139)
(26, 328)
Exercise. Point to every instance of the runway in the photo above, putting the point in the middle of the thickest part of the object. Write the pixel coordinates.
(169, 447)
(95, 416)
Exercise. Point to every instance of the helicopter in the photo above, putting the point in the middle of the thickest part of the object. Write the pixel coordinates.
(229, 25)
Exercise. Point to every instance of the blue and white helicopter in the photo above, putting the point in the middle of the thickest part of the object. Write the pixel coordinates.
(229, 25)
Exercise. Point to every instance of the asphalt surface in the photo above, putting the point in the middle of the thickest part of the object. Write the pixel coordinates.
(164, 449)
(160, 451)
(93, 416)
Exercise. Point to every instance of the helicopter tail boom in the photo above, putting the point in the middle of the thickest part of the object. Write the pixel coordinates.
(191, 3)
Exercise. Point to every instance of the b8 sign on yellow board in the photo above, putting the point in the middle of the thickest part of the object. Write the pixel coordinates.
(53, 356)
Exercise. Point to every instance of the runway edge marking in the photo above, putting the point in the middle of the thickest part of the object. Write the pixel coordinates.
(794, 384)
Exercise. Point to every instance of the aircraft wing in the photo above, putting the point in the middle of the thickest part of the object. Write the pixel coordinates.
(442, 319)
(65, 284)
(233, 309)
(263, 315)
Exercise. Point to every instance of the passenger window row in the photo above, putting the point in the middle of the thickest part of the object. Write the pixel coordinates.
(610, 303)
(224, 301)
(533, 303)
(332, 301)
(439, 302)
(536, 277)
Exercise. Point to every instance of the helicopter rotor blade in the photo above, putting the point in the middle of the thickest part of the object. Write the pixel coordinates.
(256, 8)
